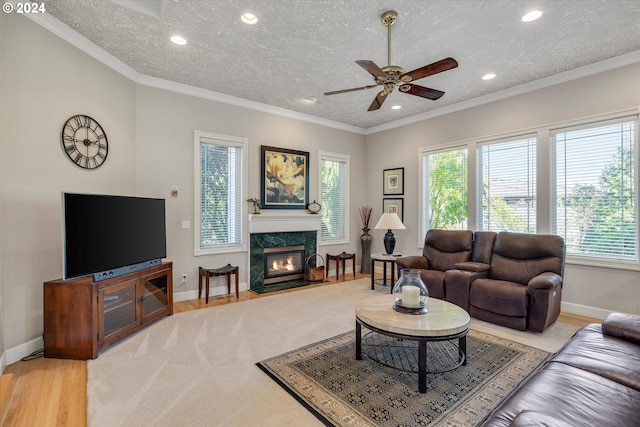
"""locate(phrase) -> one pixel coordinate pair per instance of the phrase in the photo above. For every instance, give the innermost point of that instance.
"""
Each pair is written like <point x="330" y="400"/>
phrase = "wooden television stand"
<point x="83" y="317"/>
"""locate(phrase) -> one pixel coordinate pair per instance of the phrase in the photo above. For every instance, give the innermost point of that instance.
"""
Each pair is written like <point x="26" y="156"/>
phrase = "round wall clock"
<point x="85" y="142"/>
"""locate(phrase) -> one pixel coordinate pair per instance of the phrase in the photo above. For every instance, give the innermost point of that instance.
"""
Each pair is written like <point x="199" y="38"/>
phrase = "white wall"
<point x="588" y="290"/>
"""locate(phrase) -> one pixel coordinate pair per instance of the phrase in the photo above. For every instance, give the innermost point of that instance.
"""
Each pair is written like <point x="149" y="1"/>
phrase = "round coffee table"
<point x="443" y="322"/>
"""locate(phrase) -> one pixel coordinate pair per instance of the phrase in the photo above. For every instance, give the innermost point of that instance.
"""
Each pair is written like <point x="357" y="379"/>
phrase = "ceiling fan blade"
<point x="429" y="70"/>
<point x="372" y="68"/>
<point x="335" y="92"/>
<point x="378" y="101"/>
<point x="421" y="91"/>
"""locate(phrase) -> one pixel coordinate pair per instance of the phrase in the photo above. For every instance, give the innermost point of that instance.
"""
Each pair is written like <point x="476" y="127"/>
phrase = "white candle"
<point x="411" y="296"/>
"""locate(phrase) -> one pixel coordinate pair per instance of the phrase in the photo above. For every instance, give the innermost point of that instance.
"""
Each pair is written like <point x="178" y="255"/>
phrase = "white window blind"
<point x="506" y="186"/>
<point x="220" y="183"/>
<point x="595" y="177"/>
<point x="444" y="190"/>
<point x="334" y="190"/>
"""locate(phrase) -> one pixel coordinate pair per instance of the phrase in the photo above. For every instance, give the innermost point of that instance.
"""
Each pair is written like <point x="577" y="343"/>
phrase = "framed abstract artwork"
<point x="394" y="205"/>
<point x="284" y="182"/>
<point x="393" y="181"/>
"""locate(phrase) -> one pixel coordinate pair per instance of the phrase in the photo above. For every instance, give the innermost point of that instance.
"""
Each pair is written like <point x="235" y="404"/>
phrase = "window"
<point x="334" y="197"/>
<point x="506" y="186"/>
<point x="594" y="175"/>
<point x="220" y="182"/>
<point x="444" y="190"/>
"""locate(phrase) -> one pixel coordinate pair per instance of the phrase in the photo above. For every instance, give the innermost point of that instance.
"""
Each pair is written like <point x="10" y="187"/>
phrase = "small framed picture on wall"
<point x="393" y="181"/>
<point x="395" y="206"/>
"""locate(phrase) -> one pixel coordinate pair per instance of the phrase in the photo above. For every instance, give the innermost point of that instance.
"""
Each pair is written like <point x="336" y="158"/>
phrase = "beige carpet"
<point x="198" y="368"/>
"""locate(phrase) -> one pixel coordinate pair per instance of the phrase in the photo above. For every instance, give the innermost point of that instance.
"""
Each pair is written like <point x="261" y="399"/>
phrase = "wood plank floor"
<point x="52" y="392"/>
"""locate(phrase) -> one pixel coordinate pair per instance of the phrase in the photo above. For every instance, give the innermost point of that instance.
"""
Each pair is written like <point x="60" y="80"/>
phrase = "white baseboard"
<point x="213" y="291"/>
<point x="3" y="362"/>
<point x="585" y="310"/>
<point x="16" y="353"/>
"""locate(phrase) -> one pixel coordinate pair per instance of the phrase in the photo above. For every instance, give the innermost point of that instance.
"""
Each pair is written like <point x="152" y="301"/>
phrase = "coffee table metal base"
<point x="450" y="357"/>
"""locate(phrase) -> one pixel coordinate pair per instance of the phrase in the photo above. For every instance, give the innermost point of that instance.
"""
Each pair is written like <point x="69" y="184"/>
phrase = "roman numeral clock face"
<point x="85" y="142"/>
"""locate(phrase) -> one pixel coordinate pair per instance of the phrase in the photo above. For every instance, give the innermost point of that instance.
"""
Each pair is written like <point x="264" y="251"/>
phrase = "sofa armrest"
<point x="623" y="326"/>
<point x="415" y="261"/>
<point x="546" y="280"/>
<point x="476" y="267"/>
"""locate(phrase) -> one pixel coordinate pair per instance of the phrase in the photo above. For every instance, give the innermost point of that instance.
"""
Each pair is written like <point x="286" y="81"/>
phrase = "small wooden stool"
<point x="342" y="257"/>
<point x="227" y="270"/>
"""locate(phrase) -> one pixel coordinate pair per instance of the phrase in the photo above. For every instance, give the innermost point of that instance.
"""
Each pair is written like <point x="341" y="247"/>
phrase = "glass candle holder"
<point x="411" y="293"/>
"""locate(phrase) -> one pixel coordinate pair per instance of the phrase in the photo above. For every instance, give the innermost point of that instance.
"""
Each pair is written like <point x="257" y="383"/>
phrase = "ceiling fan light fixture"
<point x="180" y="41"/>
<point x="532" y="16"/>
<point x="249" y="18"/>
<point x="311" y="100"/>
<point x="489" y="76"/>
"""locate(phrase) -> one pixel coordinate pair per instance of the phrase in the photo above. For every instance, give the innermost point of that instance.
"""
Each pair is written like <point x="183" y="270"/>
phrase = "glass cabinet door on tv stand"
<point x="155" y="293"/>
<point x="119" y="308"/>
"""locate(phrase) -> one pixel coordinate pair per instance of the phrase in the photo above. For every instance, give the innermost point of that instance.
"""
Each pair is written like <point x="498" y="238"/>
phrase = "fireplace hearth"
<point x="282" y="264"/>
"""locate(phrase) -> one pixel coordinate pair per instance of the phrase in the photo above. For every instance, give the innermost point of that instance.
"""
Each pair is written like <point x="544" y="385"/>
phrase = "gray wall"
<point x="45" y="81"/>
<point x="588" y="290"/>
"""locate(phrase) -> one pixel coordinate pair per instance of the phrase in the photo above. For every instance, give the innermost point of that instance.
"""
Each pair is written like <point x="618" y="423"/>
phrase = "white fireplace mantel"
<point x="278" y="222"/>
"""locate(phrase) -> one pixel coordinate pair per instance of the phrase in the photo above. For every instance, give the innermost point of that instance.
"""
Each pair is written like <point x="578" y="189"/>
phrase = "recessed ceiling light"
<point x="311" y="100"/>
<point x="396" y="107"/>
<point x="489" y="76"/>
<point x="532" y="16"/>
<point x="249" y="18"/>
<point x="178" y="40"/>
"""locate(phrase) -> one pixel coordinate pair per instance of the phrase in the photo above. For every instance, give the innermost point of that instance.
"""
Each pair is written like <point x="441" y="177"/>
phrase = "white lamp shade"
<point x="389" y="221"/>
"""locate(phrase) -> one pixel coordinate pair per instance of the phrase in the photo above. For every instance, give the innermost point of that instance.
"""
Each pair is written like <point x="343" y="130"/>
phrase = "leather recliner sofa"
<point x="594" y="380"/>
<point x="511" y="279"/>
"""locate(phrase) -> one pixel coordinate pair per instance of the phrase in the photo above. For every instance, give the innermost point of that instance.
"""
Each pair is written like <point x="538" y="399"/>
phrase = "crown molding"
<point x="76" y="39"/>
<point x="587" y="70"/>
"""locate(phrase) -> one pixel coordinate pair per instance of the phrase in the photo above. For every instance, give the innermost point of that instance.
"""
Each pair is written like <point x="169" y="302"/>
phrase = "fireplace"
<point x="282" y="264"/>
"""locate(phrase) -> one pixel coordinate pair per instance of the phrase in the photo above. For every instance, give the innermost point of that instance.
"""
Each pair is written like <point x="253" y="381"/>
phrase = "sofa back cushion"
<point x="443" y="248"/>
<point x="519" y="257"/>
<point x="483" y="246"/>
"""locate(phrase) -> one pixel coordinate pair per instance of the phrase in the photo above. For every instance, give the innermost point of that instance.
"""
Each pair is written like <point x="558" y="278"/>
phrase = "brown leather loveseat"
<point x="511" y="279"/>
<point x="594" y="380"/>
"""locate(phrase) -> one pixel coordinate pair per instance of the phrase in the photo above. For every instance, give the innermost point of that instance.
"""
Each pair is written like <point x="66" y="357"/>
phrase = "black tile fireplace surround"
<point x="258" y="242"/>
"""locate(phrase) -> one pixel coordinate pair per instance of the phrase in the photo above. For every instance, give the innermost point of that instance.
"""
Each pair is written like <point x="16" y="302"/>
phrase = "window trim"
<point x="544" y="190"/>
<point x="338" y="157"/>
<point x="241" y="142"/>
<point x="604" y="120"/>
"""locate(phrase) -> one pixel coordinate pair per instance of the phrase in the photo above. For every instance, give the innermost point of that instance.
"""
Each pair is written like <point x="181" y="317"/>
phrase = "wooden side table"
<point x="227" y="270"/>
<point x="342" y="257"/>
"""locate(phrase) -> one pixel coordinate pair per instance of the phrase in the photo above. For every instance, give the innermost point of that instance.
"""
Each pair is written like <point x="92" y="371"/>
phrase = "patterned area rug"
<point x="342" y="391"/>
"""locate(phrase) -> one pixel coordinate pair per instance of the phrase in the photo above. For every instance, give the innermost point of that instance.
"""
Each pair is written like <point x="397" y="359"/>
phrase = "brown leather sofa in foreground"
<point x="510" y="279"/>
<point x="594" y="380"/>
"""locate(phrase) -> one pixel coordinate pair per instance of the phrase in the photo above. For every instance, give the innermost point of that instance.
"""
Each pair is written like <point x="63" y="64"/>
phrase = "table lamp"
<point x="390" y="221"/>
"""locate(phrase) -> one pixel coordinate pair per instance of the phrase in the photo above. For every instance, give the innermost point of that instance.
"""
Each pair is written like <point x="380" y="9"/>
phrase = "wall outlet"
<point x="184" y="278"/>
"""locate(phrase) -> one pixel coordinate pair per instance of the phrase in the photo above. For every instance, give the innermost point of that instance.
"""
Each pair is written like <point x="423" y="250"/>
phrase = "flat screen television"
<point x="107" y="236"/>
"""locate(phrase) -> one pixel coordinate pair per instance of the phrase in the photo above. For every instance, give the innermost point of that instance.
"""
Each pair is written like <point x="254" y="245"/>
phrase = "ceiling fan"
<point x="392" y="75"/>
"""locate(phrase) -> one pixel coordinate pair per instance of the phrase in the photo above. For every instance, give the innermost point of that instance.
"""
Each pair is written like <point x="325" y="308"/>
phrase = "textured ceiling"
<point x="302" y="48"/>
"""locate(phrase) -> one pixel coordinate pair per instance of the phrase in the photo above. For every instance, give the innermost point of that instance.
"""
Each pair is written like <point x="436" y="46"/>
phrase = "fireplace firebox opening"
<point x="283" y="264"/>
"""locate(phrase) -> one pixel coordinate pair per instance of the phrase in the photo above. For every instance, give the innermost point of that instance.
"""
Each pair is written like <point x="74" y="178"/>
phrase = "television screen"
<point x="103" y="232"/>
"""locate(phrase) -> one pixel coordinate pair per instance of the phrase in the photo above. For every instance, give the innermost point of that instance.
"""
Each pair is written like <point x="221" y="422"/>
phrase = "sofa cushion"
<point x="573" y="396"/>
<point x="434" y="280"/>
<point x="443" y="248"/>
<point x="609" y="357"/>
<point x="499" y="296"/>
<point x="537" y="419"/>
<point x="623" y="326"/>
<point x="519" y="257"/>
